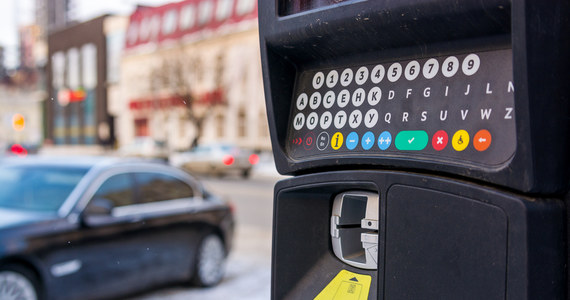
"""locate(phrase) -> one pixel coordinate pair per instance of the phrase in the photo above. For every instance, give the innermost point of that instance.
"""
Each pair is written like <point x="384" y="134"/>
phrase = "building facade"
<point x="76" y="109"/>
<point x="191" y="73"/>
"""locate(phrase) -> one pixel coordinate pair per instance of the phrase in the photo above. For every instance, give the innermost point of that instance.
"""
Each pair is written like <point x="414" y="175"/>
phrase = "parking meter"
<point x="428" y="143"/>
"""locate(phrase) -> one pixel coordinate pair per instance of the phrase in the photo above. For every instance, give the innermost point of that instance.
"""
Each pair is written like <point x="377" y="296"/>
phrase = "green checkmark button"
<point x="411" y="140"/>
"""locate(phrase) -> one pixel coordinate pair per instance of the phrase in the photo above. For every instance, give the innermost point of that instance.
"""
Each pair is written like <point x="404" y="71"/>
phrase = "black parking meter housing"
<point x="472" y="168"/>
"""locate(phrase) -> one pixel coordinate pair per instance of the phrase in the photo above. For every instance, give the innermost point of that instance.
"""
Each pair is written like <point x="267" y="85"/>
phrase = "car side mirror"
<point x="97" y="212"/>
<point x="99" y="207"/>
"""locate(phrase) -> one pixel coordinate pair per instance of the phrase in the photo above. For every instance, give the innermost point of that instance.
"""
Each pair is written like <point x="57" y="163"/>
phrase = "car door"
<point x="104" y="255"/>
<point x="168" y="205"/>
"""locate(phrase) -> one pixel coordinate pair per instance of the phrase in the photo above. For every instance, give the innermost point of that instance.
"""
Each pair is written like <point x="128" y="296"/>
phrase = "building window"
<point x="224" y="9"/>
<point x="263" y="126"/>
<point x="141" y="127"/>
<point x="244" y="7"/>
<point x="169" y="22"/>
<point x="242" y="123"/>
<point x="73" y="68"/>
<point x="133" y="33"/>
<point x="89" y="65"/>
<point x="220" y="125"/>
<point x="144" y="30"/>
<point x="58" y="70"/>
<point x="205" y="12"/>
<point x="187" y="17"/>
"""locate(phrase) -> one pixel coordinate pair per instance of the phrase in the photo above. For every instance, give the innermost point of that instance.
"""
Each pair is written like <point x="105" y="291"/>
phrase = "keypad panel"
<point x="455" y="107"/>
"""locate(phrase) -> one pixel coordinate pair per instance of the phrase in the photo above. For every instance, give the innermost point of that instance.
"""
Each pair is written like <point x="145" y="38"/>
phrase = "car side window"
<point x="155" y="187"/>
<point x="119" y="189"/>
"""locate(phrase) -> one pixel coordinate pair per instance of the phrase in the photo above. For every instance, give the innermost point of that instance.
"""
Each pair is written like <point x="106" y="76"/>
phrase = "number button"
<point x="361" y="75"/>
<point x="318" y="80"/>
<point x="302" y="101"/>
<point x="431" y="67"/>
<point x="412" y="70"/>
<point x="394" y="72"/>
<point x="377" y="74"/>
<point x="346" y="77"/>
<point x="332" y="78"/>
<point x="471" y="64"/>
<point x="450" y="66"/>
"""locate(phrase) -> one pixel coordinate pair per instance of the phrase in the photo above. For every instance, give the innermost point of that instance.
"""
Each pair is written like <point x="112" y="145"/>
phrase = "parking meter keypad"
<point x="458" y="107"/>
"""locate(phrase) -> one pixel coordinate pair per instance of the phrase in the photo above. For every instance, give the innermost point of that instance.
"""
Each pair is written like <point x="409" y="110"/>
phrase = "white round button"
<point x="302" y="101"/>
<point x="377" y="74"/>
<point x="332" y="78"/>
<point x="346" y="77"/>
<point x="412" y="70"/>
<point x="374" y="96"/>
<point x="470" y="64"/>
<point x="312" y="120"/>
<point x="361" y="75"/>
<point x="315" y="100"/>
<point x="299" y="121"/>
<point x="343" y="98"/>
<point x="358" y="97"/>
<point x="318" y="80"/>
<point x="431" y="67"/>
<point x="394" y="72"/>
<point x="371" y="118"/>
<point x="340" y="119"/>
<point x="326" y="120"/>
<point x="329" y="99"/>
<point x="355" y="119"/>
<point x="450" y="66"/>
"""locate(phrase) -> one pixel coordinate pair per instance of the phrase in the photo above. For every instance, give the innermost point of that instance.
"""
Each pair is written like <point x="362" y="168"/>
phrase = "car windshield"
<point x="36" y="188"/>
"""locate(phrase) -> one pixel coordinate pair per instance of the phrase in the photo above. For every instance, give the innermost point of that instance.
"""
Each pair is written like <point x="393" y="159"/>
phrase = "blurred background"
<point x="178" y="81"/>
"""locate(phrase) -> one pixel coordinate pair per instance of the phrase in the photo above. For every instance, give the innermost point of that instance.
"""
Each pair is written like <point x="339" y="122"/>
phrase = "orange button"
<point x="482" y="140"/>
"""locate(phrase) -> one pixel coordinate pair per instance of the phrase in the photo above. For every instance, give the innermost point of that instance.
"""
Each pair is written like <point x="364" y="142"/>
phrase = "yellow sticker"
<point x="346" y="286"/>
<point x="337" y="141"/>
<point x="460" y="140"/>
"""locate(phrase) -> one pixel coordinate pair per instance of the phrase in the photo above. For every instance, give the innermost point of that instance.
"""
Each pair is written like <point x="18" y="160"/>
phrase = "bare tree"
<point x="178" y="75"/>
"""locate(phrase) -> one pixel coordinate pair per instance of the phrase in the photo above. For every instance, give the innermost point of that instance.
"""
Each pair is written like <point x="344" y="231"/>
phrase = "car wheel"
<point x="18" y="283"/>
<point x="210" y="259"/>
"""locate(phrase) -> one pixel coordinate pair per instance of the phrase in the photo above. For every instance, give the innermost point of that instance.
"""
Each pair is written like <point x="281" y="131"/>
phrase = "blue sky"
<point x="21" y="12"/>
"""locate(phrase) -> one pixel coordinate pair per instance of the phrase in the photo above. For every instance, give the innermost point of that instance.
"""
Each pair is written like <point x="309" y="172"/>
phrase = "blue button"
<point x="352" y="140"/>
<point x="384" y="140"/>
<point x="367" y="140"/>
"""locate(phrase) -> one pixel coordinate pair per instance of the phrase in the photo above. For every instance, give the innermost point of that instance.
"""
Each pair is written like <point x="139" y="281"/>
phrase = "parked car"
<point x="145" y="147"/>
<point x="85" y="228"/>
<point x="216" y="159"/>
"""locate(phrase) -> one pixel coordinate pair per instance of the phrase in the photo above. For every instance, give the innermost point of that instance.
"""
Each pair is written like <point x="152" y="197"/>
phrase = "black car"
<point x="84" y="228"/>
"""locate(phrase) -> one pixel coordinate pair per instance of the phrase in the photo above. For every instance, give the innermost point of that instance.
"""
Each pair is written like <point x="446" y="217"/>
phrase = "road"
<point x="248" y="271"/>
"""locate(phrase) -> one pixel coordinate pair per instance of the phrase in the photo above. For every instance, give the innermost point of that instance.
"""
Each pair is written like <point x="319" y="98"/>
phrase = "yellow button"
<point x="336" y="141"/>
<point x="460" y="140"/>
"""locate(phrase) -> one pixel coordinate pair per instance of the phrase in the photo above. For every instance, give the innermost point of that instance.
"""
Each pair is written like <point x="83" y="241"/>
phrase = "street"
<point x="248" y="270"/>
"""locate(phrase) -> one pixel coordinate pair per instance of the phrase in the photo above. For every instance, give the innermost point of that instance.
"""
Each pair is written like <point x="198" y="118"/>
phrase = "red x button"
<point x="439" y="140"/>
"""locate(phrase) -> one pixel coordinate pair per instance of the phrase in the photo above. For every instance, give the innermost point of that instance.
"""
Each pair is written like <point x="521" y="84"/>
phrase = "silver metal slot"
<point x="354" y="228"/>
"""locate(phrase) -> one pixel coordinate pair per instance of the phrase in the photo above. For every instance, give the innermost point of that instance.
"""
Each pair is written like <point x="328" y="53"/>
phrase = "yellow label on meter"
<point x="460" y="140"/>
<point x="346" y="286"/>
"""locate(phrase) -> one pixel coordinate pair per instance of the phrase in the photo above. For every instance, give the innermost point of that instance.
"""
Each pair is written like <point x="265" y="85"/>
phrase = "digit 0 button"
<point x="414" y="140"/>
<point x="460" y="140"/>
